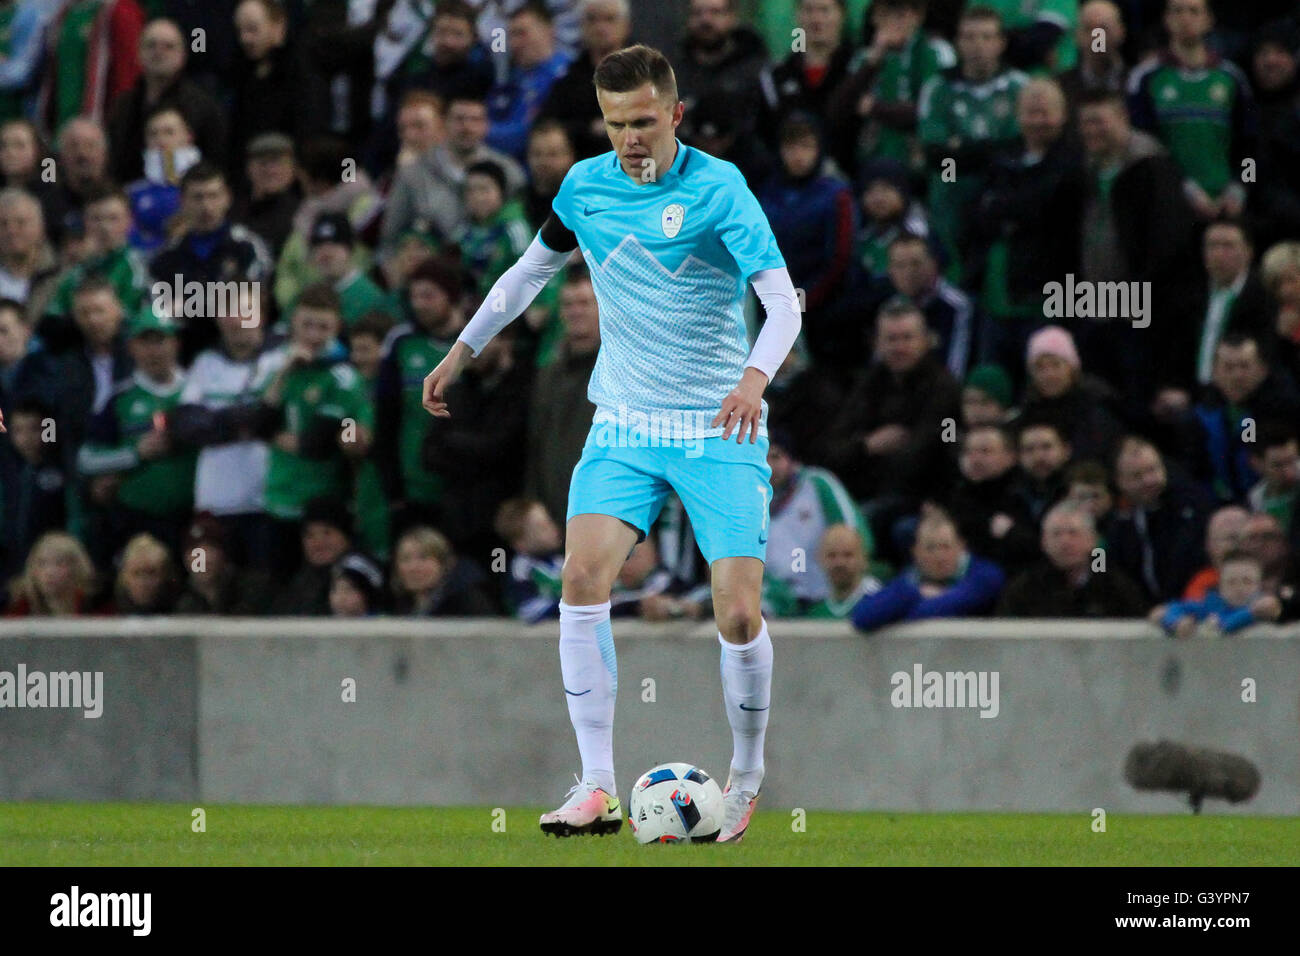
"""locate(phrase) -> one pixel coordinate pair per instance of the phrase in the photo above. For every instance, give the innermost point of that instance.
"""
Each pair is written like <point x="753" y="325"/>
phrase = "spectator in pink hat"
<point x="1085" y="407"/>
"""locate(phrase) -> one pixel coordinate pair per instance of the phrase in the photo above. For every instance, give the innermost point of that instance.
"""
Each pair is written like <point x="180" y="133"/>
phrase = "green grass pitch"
<point x="161" y="835"/>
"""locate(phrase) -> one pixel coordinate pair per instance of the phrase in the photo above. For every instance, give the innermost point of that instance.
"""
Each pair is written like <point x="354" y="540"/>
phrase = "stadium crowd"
<point x="951" y="437"/>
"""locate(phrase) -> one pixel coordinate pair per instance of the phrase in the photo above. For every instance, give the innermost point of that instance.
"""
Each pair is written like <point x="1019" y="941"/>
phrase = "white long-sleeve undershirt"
<point x="513" y="293"/>
<point x="519" y="285"/>
<point x="776" y="291"/>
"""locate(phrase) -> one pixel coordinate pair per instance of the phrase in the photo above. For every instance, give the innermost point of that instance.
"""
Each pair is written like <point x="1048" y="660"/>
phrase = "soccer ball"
<point x="675" y="802"/>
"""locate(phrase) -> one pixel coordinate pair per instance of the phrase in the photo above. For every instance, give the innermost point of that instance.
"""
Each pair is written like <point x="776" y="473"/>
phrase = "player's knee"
<point x="584" y="581"/>
<point x="739" y="621"/>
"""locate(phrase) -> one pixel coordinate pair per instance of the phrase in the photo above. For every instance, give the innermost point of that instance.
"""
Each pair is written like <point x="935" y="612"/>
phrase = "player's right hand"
<point x="436" y="382"/>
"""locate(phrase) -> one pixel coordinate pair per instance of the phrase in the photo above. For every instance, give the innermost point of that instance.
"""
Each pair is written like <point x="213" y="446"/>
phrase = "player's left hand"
<point x="742" y="407"/>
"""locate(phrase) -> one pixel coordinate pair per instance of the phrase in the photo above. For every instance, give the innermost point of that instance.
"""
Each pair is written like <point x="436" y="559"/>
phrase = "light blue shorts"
<point x="725" y="487"/>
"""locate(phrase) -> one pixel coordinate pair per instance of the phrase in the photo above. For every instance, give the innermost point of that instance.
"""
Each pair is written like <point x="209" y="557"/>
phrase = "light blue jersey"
<point x="670" y="260"/>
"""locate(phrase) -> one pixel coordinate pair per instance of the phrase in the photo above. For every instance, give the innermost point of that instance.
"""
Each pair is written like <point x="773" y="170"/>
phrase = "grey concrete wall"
<point x="142" y="747"/>
<point x="473" y="713"/>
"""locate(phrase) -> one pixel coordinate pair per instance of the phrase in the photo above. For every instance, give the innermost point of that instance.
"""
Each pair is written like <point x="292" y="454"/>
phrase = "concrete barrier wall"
<point x="473" y="713"/>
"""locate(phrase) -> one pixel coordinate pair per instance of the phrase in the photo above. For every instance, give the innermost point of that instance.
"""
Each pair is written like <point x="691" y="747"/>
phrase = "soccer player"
<point x="671" y="235"/>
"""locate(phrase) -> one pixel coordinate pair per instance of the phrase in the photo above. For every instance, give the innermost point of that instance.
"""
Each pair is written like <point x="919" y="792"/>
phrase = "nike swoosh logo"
<point x="588" y="211"/>
<point x="743" y="707"/>
<point x="587" y="691"/>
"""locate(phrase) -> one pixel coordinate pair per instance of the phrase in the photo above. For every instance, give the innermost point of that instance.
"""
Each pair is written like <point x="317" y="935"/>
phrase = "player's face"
<point x="642" y="128"/>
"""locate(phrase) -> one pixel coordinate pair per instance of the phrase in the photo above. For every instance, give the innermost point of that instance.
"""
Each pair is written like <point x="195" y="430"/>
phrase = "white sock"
<point x="747" y="679"/>
<point x="590" y="674"/>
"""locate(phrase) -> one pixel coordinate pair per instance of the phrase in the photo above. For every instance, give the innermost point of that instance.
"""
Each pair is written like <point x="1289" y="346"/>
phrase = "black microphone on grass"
<point x="1195" y="771"/>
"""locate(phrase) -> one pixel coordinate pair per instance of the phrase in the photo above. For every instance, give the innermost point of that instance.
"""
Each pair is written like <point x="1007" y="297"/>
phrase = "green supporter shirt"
<point x="358" y="294"/>
<point x="161" y="487"/>
<point x="829" y="608"/>
<point x="955" y="115"/>
<point x="416" y="355"/>
<point x="72" y="48"/>
<point x="489" y="248"/>
<point x="124" y="268"/>
<point x="774" y="19"/>
<point x="900" y="78"/>
<point x="1019" y="14"/>
<point x="1193" y="113"/>
<point x="327" y="389"/>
